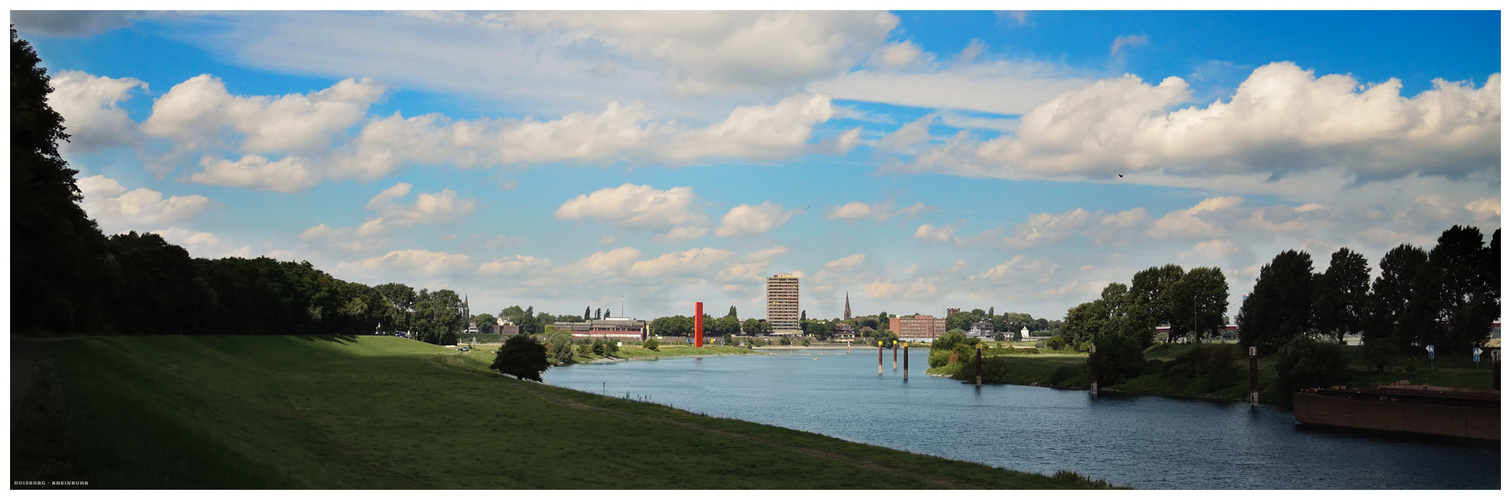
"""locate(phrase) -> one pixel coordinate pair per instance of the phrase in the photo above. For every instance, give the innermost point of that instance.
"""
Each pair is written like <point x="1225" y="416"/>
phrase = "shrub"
<point x="1304" y="363"/>
<point x="786" y="341"/>
<point x="1119" y="358"/>
<point x="599" y="348"/>
<point x="651" y="344"/>
<point x="1380" y="353"/>
<point x="1057" y="342"/>
<point x="521" y="356"/>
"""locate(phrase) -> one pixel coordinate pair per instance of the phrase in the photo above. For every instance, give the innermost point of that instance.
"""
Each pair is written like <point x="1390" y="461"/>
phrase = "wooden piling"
<point x="904" y="362"/>
<point x="878" y="357"/>
<point x="894" y="356"/>
<point x="1253" y="377"/>
<point x="1092" y="360"/>
<point x="1495" y="369"/>
<point x="978" y="366"/>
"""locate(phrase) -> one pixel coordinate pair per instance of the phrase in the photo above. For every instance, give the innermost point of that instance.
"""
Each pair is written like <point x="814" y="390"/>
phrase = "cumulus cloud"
<point x="753" y="266"/>
<point x="899" y="54"/>
<point x="201" y="244"/>
<point x="516" y="265"/>
<point x="383" y="198"/>
<point x="880" y="211"/>
<point x="1020" y="269"/>
<point x="620" y="133"/>
<point x="1122" y="42"/>
<point x="747" y="220"/>
<point x="1281" y="120"/>
<point x="717" y="51"/>
<point x="369" y="236"/>
<point x="640" y="207"/>
<point x="908" y="136"/>
<point x="430" y="208"/>
<point x="913" y="290"/>
<point x="287" y="175"/>
<point x="200" y="114"/>
<point x="118" y="210"/>
<point x="1212" y="250"/>
<point x="846" y="263"/>
<point x="755" y="132"/>
<point x="1202" y="221"/>
<point x="90" y="108"/>
<point x="931" y="233"/>
<point x="414" y="261"/>
<point x="697" y="261"/>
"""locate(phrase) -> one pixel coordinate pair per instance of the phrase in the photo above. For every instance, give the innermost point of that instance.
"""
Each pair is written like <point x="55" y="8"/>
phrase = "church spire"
<point x="847" y="306"/>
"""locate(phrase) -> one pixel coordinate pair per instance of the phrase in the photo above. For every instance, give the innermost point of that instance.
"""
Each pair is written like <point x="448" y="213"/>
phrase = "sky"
<point x="914" y="160"/>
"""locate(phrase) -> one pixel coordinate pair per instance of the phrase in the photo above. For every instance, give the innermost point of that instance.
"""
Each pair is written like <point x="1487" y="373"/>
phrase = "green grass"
<point x="388" y="413"/>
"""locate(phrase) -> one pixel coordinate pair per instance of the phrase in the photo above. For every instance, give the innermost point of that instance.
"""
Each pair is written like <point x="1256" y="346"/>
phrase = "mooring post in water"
<point x="878" y="357"/>
<point x="1495" y="369"/>
<point x="1092" y="360"/>
<point x="1253" y="378"/>
<point x="978" y="366"/>
<point x="894" y="356"/>
<point x="904" y="361"/>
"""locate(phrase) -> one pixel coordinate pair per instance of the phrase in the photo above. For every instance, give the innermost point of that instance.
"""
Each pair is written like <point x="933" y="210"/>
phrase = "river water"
<point x="1146" y="442"/>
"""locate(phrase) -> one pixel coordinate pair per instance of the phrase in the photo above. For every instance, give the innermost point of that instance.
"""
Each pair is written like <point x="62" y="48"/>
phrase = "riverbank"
<point x="256" y="412"/>
<point x="1163" y="374"/>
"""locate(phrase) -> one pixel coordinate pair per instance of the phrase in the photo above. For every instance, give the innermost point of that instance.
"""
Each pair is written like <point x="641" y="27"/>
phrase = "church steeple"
<point x="847" y="306"/>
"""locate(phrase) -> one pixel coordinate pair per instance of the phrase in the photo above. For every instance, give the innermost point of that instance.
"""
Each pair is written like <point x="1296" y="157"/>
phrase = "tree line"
<point x="69" y="277"/>
<point x="1447" y="297"/>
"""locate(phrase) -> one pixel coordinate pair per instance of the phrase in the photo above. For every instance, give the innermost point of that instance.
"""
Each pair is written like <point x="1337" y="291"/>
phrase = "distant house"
<point x="844" y="331"/>
<point x="982" y="329"/>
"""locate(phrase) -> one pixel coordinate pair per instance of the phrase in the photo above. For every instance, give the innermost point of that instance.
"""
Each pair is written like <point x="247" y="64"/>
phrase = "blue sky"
<point x="915" y="160"/>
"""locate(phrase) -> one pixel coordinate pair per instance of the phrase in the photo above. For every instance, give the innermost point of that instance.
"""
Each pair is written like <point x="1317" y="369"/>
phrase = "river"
<point x="1146" y="442"/>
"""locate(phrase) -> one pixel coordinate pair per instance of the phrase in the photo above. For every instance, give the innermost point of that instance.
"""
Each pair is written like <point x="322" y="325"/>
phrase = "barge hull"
<point x="1474" y="422"/>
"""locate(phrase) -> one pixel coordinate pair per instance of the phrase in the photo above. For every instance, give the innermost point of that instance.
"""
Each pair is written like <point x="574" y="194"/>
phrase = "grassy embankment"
<point x="1067" y="370"/>
<point x="388" y="413"/>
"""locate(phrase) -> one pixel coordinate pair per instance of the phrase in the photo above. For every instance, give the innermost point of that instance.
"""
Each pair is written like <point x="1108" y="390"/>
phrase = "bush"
<point x="1380" y="353"/>
<point x="561" y="352"/>
<point x="1062" y="374"/>
<point x="1305" y="363"/>
<point x="1057" y="342"/>
<point x="1216" y="362"/>
<point x="651" y="344"/>
<point x="521" y="356"/>
<point x="1119" y="358"/>
<point x="947" y="342"/>
<point x="600" y="349"/>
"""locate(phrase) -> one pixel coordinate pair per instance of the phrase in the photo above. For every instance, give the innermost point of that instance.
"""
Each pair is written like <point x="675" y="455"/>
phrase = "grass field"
<point x="389" y="413"/>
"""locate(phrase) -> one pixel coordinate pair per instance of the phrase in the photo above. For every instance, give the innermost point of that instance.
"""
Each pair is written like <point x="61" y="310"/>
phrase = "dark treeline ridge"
<point x="68" y="277"/>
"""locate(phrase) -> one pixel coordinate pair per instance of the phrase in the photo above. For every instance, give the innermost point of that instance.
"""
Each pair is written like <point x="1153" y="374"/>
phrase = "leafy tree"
<point x="755" y="326"/>
<point x="57" y="252"/>
<point x="733" y="314"/>
<point x="1342" y="295"/>
<point x="803" y="316"/>
<point x="1303" y="363"/>
<point x="672" y="326"/>
<point x="484" y="320"/>
<point x="1280" y="308"/>
<point x="729" y="339"/>
<point x="1203" y="298"/>
<point x="515" y="314"/>
<point x="560" y="348"/>
<point x="651" y="344"/>
<point x="1391" y="296"/>
<point x="521" y="356"/>
<point x="599" y="348"/>
<point x="1467" y="295"/>
<point x="402" y="298"/>
<point x="438" y="316"/>
<point x="1156" y="291"/>
<point x="1119" y="358"/>
<point x="598" y="314"/>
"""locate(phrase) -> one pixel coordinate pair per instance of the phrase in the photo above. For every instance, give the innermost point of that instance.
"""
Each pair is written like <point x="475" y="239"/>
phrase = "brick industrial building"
<point x="921" y="327"/>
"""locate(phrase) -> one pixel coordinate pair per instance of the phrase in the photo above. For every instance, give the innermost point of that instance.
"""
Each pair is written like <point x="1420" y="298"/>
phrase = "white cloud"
<point x="417" y="261"/>
<point x="1485" y="208"/>
<point x="714" y="51"/>
<point x="1124" y="41"/>
<point x="516" y="265"/>
<point x="382" y="199"/>
<point x="1020" y="270"/>
<point x="1203" y="221"/>
<point x="431" y="208"/>
<point x="747" y="220"/>
<point x="287" y="175"/>
<point x="600" y="265"/>
<point x="1212" y="250"/>
<point x="908" y="136"/>
<point x="368" y="237"/>
<point x="755" y="132"/>
<point x="118" y="210"/>
<point x="697" y="261"/>
<point x="640" y="207"/>
<point x="1044" y="228"/>
<point x="1282" y="120"/>
<point x="846" y="263"/>
<point x="899" y="54"/>
<point x="200" y="244"/>
<point x="200" y="114"/>
<point x="881" y="211"/>
<point x="753" y="266"/>
<point x="928" y="232"/>
<point x="89" y="106"/>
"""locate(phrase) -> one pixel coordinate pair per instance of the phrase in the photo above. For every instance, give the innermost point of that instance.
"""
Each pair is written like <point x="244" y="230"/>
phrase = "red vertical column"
<point x="698" y="325"/>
